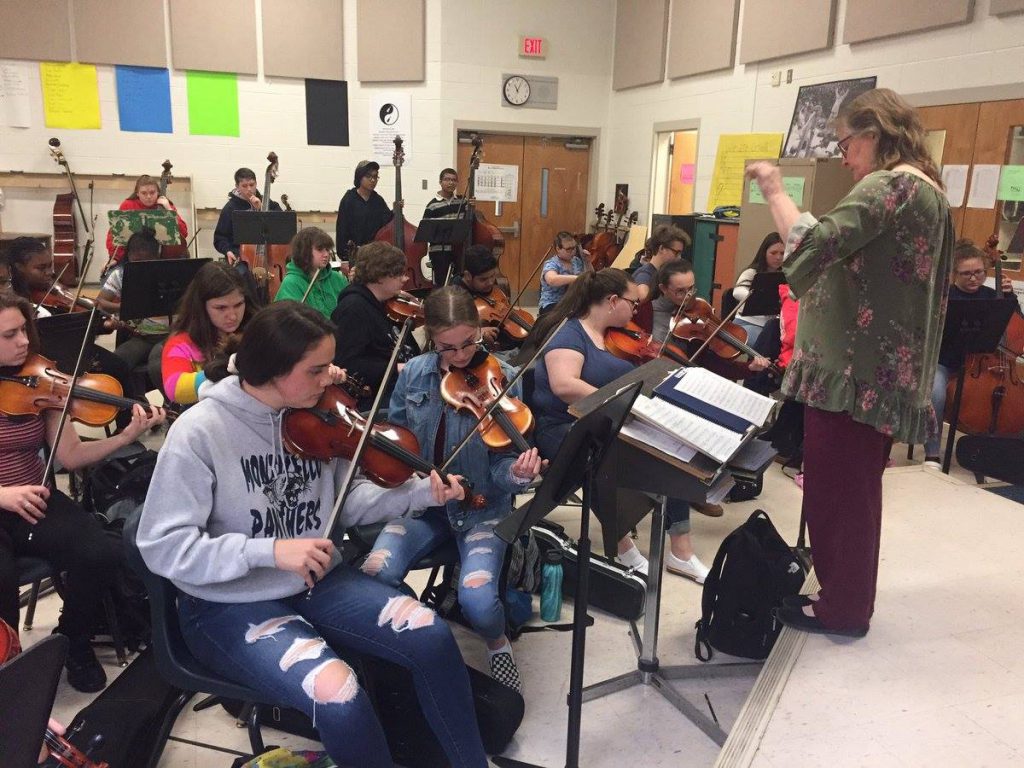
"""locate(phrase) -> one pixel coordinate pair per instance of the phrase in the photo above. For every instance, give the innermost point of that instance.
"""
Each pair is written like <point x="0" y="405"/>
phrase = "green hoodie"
<point x="323" y="297"/>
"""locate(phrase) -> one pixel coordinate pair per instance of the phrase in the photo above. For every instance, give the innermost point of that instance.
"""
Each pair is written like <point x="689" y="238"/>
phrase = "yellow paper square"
<point x="733" y="150"/>
<point x="71" y="95"/>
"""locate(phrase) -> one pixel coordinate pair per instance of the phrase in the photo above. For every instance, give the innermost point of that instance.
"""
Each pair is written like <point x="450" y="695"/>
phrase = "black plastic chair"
<point x="28" y="685"/>
<point x="176" y="663"/>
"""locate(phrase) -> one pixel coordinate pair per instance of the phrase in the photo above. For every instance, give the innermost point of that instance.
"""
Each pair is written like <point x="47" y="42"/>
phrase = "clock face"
<point x="516" y="90"/>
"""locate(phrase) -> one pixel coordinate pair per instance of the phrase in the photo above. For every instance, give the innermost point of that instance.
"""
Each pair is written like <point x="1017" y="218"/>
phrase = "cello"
<point x="179" y="251"/>
<point x="992" y="401"/>
<point x="401" y="234"/>
<point x="266" y="261"/>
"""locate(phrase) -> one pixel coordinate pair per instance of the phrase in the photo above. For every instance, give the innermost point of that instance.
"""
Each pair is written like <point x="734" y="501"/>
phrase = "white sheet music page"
<point x="727" y="395"/>
<point x="657" y="438"/>
<point x="717" y="442"/>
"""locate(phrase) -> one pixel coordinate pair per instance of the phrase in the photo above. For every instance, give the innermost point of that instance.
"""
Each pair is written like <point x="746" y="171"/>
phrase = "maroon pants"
<point x="843" y="465"/>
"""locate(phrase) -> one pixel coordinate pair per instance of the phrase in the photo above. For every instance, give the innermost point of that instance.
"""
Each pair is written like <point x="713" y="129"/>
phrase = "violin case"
<point x="993" y="456"/>
<point x="614" y="588"/>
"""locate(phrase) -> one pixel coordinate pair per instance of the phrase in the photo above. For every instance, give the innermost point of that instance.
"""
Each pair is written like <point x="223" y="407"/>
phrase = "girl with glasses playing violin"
<point x="452" y="323"/>
<point x="577" y="363"/>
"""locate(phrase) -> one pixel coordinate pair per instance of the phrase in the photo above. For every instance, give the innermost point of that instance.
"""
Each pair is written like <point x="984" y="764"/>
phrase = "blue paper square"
<point x="144" y="99"/>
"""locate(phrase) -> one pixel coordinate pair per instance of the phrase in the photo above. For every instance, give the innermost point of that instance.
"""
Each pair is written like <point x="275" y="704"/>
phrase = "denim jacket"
<point x="417" y="405"/>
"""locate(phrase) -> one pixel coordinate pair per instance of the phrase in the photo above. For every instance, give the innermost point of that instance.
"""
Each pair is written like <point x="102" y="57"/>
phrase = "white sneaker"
<point x="691" y="569"/>
<point x="633" y="559"/>
<point x="933" y="463"/>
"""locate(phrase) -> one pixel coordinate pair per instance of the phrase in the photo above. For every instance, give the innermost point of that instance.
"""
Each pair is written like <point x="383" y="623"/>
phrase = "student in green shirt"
<point x="311" y="251"/>
<point x="872" y="276"/>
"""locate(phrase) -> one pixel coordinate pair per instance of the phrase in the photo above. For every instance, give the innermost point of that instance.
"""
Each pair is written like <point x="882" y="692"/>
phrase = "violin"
<point x="727" y="340"/>
<point x="333" y="428"/>
<point x="38" y="386"/>
<point x="60" y="749"/>
<point x="633" y="344"/>
<point x="496" y="309"/>
<point x="59" y="299"/>
<point x="475" y="387"/>
<point x="405" y="306"/>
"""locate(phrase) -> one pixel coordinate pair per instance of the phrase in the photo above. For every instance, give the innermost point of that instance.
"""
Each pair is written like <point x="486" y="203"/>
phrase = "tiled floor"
<point x="938" y="681"/>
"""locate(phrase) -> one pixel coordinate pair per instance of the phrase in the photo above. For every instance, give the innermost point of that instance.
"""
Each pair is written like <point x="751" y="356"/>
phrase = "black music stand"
<point x="445" y="232"/>
<point x="976" y="325"/>
<point x="764" y="294"/>
<point x="60" y="337"/>
<point x="575" y="465"/>
<point x="154" y="288"/>
<point x="641" y="467"/>
<point x="264" y="227"/>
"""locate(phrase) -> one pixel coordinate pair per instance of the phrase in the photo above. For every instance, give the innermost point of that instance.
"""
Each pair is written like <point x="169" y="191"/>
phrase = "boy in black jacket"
<point x="365" y="337"/>
<point x="244" y="197"/>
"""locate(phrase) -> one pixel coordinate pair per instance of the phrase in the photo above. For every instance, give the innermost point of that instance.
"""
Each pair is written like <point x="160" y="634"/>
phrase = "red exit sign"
<point x="531" y="47"/>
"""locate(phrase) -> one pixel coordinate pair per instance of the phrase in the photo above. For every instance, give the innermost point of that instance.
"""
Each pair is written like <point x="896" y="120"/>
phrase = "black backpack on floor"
<point x="753" y="570"/>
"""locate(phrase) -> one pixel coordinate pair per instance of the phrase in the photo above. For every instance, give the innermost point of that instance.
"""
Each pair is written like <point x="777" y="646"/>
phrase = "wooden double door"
<point x="554" y="173"/>
<point x="990" y="132"/>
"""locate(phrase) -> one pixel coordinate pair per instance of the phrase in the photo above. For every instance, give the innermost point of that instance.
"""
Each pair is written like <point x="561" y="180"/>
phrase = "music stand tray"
<point x="976" y="325"/>
<point x="153" y="288"/>
<point x="443" y="231"/>
<point x="264" y="227"/>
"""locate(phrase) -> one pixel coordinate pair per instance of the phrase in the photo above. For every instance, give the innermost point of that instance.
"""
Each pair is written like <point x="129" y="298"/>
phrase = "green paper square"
<point x="212" y="103"/>
<point x="1011" y="183"/>
<point x="794" y="186"/>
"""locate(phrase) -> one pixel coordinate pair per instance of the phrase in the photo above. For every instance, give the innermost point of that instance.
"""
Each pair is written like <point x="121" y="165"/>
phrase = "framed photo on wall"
<point x="812" y="129"/>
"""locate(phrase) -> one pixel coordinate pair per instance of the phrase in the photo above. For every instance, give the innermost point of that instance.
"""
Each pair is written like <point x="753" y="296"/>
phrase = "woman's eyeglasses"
<point x="977" y="274"/>
<point x="444" y="349"/>
<point x="843" y="145"/>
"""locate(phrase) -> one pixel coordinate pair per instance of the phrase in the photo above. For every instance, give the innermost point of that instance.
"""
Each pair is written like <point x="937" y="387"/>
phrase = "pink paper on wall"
<point x="686" y="173"/>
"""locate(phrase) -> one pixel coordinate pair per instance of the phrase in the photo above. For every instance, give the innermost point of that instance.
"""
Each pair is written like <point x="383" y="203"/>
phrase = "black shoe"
<point x="797" y="619"/>
<point x="797" y="601"/>
<point x="85" y="673"/>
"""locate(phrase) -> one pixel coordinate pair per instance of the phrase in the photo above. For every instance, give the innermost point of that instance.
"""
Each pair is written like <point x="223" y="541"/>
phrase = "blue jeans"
<point x="549" y="435"/>
<point x="404" y="542"/>
<point x="286" y="650"/>
<point x="942" y="376"/>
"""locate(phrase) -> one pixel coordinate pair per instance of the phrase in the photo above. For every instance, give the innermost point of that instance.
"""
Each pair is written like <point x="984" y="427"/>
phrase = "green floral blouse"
<point x="872" y="276"/>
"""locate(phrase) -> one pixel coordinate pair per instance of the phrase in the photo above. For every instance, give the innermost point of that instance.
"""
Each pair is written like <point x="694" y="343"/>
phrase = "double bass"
<point x="993" y="393"/>
<point x="483" y="232"/>
<point x="267" y="261"/>
<point x="401" y="234"/>
<point x="179" y="251"/>
<point x="65" y="229"/>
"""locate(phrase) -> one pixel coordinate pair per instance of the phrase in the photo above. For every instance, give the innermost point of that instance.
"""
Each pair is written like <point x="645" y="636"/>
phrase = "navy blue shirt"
<point x="600" y="367"/>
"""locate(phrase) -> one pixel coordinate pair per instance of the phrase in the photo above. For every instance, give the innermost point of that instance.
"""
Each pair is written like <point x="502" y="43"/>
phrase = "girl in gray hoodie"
<point x="238" y="524"/>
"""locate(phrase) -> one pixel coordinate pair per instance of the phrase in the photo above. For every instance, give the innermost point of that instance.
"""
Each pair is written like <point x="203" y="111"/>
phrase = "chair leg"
<point x="115" y="629"/>
<point x="910" y="452"/>
<point x="166" y="726"/>
<point x="427" y="590"/>
<point x="30" y="612"/>
<point x="255" y="735"/>
<point x="209" y="701"/>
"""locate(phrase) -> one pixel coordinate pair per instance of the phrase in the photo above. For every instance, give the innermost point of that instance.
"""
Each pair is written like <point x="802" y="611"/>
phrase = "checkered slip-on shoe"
<point x="505" y="671"/>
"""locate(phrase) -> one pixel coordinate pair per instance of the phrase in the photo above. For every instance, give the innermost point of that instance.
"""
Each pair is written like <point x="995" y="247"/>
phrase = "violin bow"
<point x="497" y="400"/>
<point x="350" y="474"/>
<point x="526" y="284"/>
<point x="668" y="333"/>
<point x="310" y="286"/>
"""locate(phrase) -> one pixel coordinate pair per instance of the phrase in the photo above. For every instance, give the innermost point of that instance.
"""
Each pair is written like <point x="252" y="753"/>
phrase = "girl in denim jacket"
<point x="453" y="325"/>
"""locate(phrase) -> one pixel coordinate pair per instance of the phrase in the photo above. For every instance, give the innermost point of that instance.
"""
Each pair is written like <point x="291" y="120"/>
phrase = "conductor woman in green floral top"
<point x="871" y="276"/>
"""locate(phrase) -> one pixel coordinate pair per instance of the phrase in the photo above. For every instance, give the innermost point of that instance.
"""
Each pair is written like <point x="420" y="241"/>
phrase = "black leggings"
<point x="72" y="541"/>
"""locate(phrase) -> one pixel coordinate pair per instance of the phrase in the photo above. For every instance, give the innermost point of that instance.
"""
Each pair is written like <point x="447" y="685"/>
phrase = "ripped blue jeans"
<point x="404" y="542"/>
<point x="285" y="650"/>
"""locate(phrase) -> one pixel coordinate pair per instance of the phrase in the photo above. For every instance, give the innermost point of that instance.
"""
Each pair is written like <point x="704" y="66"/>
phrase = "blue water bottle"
<point x="551" y="586"/>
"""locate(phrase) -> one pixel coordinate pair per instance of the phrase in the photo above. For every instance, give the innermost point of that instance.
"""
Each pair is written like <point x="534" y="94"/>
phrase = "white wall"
<point x="469" y="44"/>
<point x="974" y="62"/>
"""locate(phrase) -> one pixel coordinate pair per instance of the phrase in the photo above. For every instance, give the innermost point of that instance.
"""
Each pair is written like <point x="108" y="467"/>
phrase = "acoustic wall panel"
<point x="774" y="28"/>
<point x="702" y="36"/>
<point x="640" y="32"/>
<point x="120" y="32"/>
<point x="1004" y="7"/>
<point x="872" y="19"/>
<point x="302" y="38"/>
<point x="214" y="37"/>
<point x="391" y="38"/>
<point x="38" y="30"/>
